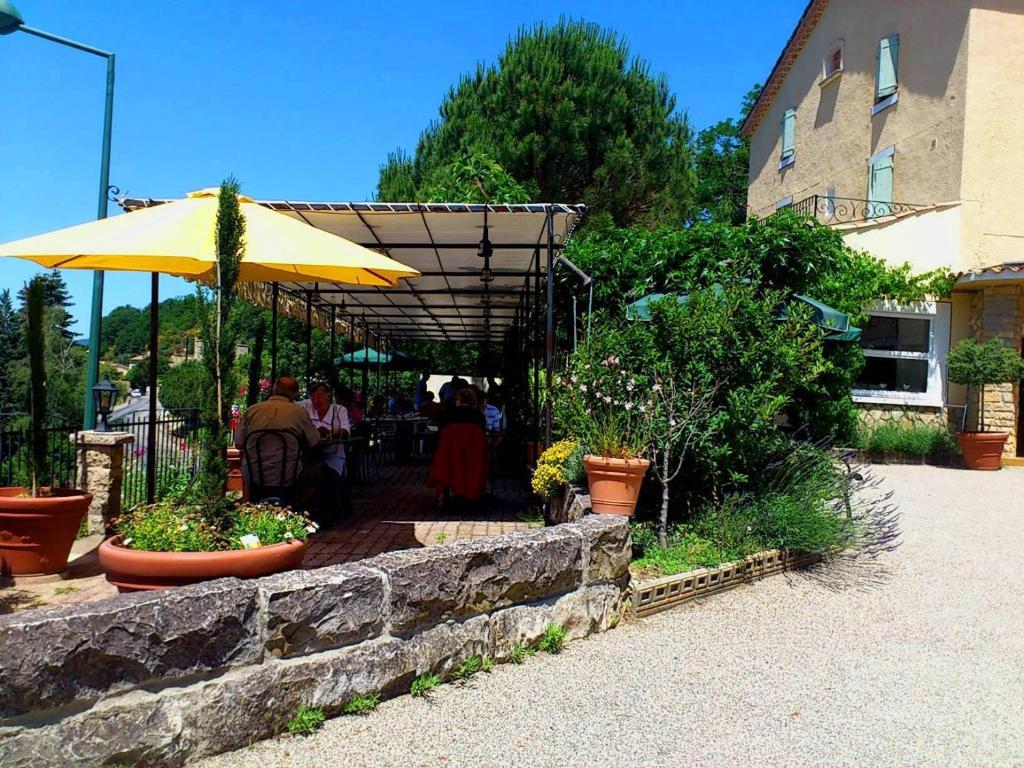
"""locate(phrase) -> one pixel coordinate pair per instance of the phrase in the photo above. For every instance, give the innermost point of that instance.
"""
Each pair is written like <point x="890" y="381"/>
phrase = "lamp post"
<point x="11" y="21"/>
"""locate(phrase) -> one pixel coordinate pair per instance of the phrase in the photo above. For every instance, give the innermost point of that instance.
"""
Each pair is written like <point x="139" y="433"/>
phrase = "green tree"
<point x="184" y="385"/>
<point x="722" y="157"/>
<point x="571" y="116"/>
<point x="10" y="354"/>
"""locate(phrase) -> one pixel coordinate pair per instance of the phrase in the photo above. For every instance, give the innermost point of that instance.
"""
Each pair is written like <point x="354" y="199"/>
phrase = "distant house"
<point x="901" y="124"/>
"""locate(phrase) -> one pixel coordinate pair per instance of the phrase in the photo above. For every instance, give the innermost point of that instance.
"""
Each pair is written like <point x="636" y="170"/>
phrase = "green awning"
<point x="833" y="322"/>
<point x="396" y="361"/>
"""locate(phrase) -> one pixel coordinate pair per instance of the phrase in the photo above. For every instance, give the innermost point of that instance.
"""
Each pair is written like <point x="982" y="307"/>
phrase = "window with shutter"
<point x="887" y="78"/>
<point x="788" y="137"/>
<point x="880" y="169"/>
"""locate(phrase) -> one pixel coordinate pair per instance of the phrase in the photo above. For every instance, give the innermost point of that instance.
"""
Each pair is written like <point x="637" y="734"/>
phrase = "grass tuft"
<point x="424" y="684"/>
<point x="307" y="720"/>
<point x="362" y="704"/>
<point x="553" y="639"/>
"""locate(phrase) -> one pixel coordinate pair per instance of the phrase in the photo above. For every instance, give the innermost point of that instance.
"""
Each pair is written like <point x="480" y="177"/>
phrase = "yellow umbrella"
<point x="177" y="238"/>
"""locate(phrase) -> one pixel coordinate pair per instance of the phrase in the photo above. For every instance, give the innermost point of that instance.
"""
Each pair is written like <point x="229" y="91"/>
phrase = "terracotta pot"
<point x="982" y="450"/>
<point x="36" y="534"/>
<point x="614" y="483"/>
<point x="131" y="570"/>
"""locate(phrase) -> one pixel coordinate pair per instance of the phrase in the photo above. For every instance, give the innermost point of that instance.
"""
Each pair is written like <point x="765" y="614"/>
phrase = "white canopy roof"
<point x="449" y="301"/>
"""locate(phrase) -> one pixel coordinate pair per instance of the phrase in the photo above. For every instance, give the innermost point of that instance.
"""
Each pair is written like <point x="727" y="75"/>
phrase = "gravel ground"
<point x="914" y="659"/>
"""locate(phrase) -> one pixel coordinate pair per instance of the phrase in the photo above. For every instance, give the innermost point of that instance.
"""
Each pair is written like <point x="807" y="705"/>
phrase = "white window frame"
<point x="938" y="313"/>
<point x="826" y="61"/>
<point x="786" y="202"/>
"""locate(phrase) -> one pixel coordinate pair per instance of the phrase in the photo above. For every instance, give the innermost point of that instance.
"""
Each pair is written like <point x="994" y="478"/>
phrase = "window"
<point x="905" y="352"/>
<point x="832" y="64"/>
<point x="887" y="73"/>
<point x="788" y="138"/>
<point x="830" y="201"/>
<point x="880" y="172"/>
<point x="786" y="202"/>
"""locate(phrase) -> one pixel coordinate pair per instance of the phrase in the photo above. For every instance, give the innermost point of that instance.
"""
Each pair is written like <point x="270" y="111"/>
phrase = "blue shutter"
<point x="880" y="187"/>
<point x="788" y="133"/>
<point x="888" y="66"/>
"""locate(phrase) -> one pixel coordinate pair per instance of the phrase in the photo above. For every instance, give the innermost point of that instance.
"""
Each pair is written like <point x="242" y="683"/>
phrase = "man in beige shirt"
<point x="280" y="413"/>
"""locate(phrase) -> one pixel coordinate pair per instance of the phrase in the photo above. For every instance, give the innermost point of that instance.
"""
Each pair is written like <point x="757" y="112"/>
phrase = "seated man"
<point x="276" y="466"/>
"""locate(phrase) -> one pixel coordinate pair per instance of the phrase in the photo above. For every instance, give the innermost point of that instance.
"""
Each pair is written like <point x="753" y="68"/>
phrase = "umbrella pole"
<point x="273" y="334"/>
<point x="151" y="432"/>
<point x="309" y="337"/>
<point x="366" y="360"/>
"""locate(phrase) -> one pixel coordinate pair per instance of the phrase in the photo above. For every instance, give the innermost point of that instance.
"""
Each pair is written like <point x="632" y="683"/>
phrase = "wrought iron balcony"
<point x="847" y="210"/>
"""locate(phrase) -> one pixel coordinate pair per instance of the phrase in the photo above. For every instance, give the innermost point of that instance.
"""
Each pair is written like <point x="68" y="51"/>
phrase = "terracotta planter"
<point x="982" y="450"/>
<point x="614" y="483"/>
<point x="131" y="570"/>
<point x="36" y="534"/>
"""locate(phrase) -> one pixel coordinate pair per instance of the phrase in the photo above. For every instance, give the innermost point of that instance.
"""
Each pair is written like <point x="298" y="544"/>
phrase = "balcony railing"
<point x="847" y="210"/>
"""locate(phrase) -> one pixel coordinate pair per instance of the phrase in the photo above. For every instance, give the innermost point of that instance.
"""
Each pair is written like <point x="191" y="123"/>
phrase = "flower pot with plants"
<point x="186" y="539"/>
<point x="977" y="366"/>
<point x="602" y="404"/>
<point x="38" y="525"/>
<point x="559" y="470"/>
<point x="199" y="532"/>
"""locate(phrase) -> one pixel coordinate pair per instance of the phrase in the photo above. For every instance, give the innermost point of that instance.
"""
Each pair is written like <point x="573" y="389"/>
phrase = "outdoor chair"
<point x="461" y="463"/>
<point x="275" y="485"/>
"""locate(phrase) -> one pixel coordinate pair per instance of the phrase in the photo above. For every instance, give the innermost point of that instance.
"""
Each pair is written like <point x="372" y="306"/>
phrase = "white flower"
<point x="312" y="528"/>
<point x="607" y="400"/>
<point x="671" y="422"/>
<point x="583" y="388"/>
<point x="629" y="406"/>
<point x="127" y="541"/>
<point x="288" y="535"/>
<point x="656" y="388"/>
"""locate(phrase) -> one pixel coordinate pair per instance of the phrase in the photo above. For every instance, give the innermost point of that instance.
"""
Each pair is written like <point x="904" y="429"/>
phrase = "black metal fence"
<point x="177" y="453"/>
<point x="61" y="455"/>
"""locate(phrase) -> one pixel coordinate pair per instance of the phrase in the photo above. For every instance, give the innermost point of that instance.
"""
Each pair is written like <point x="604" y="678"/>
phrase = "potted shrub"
<point x="604" y="406"/>
<point x="558" y="468"/>
<point x="38" y="525"/>
<point x="199" y="533"/>
<point x="978" y="365"/>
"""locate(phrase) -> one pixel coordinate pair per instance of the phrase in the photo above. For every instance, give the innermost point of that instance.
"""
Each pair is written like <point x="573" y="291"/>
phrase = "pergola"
<point x="486" y="275"/>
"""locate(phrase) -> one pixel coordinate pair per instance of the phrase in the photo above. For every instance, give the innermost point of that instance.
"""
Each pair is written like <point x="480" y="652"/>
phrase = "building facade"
<point x="900" y="124"/>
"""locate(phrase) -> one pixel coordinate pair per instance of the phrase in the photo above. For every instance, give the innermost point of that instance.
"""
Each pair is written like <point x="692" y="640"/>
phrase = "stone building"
<point x="899" y="123"/>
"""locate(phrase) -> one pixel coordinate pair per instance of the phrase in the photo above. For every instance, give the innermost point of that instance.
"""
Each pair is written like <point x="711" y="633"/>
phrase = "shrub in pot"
<point x="38" y="525"/>
<point x="980" y="365"/>
<point x="605" y="407"/>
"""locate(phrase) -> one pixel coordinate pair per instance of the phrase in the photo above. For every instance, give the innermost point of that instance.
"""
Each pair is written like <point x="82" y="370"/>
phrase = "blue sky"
<point x="298" y="100"/>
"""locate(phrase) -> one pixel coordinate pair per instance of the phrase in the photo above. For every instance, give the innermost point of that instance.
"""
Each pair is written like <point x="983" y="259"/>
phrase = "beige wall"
<point x="928" y="240"/>
<point x="993" y="178"/>
<point x="835" y="132"/>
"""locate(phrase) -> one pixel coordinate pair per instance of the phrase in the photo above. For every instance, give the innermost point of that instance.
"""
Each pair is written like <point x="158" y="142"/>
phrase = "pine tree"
<point x="568" y="114"/>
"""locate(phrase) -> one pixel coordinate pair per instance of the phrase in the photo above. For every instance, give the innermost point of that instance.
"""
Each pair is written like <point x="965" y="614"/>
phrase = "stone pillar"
<point x="1002" y="318"/>
<point x="100" y="467"/>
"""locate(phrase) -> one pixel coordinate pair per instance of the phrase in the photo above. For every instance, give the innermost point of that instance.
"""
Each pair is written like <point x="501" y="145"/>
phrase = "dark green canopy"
<point x="833" y="322"/>
<point x="396" y="361"/>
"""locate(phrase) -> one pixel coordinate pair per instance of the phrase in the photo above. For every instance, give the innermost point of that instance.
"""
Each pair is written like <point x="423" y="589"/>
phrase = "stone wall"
<point x="158" y="679"/>
<point x="872" y="416"/>
<point x="100" y="469"/>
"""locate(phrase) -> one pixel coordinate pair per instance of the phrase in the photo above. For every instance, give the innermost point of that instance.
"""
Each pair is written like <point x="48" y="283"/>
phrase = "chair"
<point x="462" y="461"/>
<point x="268" y="483"/>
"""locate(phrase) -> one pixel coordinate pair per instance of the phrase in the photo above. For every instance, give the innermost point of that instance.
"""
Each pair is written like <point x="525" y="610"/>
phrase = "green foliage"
<point x="685" y="551"/>
<point x="553" y="639"/>
<point x="519" y="653"/>
<point x="910" y="441"/>
<point x="220" y="336"/>
<point x="35" y="342"/>
<point x="10" y="353"/>
<point x="722" y="157"/>
<point x="467" y="668"/>
<point x="473" y="178"/>
<point x="362" y="704"/>
<point x="178" y="523"/>
<point x="252" y="387"/>
<point x="978" y="365"/>
<point x="184" y="385"/>
<point x="569" y="115"/>
<point x="424" y="684"/>
<point x="306" y="721"/>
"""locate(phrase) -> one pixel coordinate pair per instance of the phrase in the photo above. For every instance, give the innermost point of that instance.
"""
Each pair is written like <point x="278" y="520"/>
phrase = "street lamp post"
<point x="11" y="21"/>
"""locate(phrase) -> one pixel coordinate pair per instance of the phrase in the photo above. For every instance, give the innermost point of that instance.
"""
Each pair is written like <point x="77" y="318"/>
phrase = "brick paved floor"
<point x="395" y="510"/>
<point x="398" y="511"/>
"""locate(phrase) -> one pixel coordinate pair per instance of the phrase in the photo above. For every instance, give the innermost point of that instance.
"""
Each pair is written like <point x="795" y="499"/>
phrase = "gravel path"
<point x="916" y="659"/>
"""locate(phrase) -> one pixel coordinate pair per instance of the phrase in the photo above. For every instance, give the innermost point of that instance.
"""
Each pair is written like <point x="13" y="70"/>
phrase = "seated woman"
<point x="331" y="421"/>
<point x="461" y="463"/>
